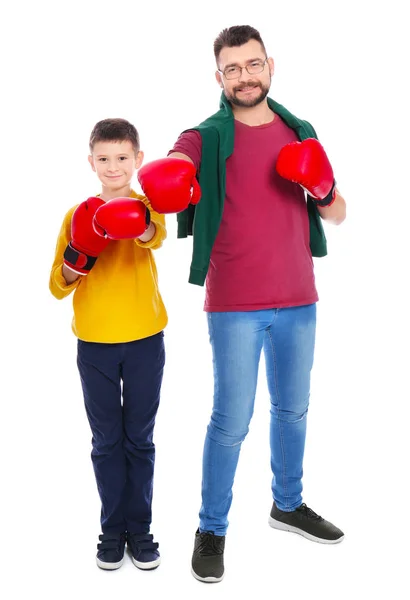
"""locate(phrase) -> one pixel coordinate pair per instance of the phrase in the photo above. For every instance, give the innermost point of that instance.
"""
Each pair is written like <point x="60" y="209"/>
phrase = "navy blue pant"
<point x="123" y="452"/>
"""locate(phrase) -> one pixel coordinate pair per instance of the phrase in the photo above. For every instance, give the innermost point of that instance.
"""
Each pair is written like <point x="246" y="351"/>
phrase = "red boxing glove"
<point x="122" y="219"/>
<point x="170" y="184"/>
<point x="85" y="245"/>
<point x="306" y="163"/>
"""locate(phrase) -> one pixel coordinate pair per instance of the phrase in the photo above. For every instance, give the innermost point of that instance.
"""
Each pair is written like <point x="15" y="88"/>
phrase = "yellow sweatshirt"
<point x="119" y="300"/>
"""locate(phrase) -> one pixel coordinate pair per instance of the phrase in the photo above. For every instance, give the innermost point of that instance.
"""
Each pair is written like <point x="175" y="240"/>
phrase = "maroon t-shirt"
<point x="261" y="256"/>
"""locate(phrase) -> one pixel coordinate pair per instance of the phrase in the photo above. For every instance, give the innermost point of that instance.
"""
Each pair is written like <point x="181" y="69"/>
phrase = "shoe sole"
<point x="207" y="579"/>
<point x="146" y="566"/>
<point x="106" y="566"/>
<point x="284" y="527"/>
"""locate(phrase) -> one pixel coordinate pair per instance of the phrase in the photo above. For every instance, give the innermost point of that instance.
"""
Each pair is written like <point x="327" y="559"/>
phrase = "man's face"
<point x="246" y="89"/>
<point x="115" y="163"/>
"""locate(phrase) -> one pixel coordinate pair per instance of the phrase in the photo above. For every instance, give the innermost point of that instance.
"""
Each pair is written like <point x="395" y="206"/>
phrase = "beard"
<point x="233" y="99"/>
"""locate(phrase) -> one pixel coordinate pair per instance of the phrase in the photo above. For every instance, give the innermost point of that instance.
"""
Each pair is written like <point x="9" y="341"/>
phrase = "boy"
<point x="104" y="256"/>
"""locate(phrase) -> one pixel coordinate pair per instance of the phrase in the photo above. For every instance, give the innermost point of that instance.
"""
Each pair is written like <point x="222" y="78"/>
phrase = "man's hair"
<point x="115" y="130"/>
<point x="238" y="35"/>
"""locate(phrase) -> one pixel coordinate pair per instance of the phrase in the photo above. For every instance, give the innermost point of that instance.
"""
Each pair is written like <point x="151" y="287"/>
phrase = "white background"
<point x="340" y="65"/>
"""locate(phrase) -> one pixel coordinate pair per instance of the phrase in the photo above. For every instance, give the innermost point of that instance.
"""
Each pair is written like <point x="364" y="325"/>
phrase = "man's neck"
<point x="255" y="115"/>
<point x="109" y="193"/>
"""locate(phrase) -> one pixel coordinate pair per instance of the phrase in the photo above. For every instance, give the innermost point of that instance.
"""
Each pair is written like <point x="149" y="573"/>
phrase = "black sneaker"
<point x="307" y="523"/>
<point x="144" y="551"/>
<point x="110" y="555"/>
<point x="208" y="557"/>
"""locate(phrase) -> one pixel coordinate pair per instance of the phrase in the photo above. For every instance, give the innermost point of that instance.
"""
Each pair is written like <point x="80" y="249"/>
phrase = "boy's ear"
<point x="91" y="161"/>
<point x="139" y="159"/>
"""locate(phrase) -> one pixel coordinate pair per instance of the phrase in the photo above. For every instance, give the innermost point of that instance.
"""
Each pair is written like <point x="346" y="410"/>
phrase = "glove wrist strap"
<point x="329" y="199"/>
<point x="79" y="259"/>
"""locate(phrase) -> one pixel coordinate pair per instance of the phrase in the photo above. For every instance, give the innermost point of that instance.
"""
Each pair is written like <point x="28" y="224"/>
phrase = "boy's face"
<point x="115" y="163"/>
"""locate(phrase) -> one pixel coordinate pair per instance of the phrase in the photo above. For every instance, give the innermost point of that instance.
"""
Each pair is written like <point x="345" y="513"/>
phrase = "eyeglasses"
<point x="235" y="71"/>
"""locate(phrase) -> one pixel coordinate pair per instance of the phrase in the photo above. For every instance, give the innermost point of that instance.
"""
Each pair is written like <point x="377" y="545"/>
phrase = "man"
<point x="255" y="233"/>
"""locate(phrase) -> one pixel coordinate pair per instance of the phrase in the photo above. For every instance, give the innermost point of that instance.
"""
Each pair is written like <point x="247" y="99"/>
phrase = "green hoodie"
<point x="202" y="220"/>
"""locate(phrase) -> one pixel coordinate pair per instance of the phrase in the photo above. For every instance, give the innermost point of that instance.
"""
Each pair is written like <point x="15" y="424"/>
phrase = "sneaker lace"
<point x="210" y="544"/>
<point x="309" y="513"/>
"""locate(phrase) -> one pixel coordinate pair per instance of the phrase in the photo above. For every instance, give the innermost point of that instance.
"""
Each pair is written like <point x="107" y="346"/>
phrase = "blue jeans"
<point x="287" y="336"/>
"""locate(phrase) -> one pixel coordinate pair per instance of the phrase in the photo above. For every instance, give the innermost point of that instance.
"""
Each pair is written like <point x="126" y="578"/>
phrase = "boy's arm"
<point x="62" y="280"/>
<point x="156" y="232"/>
<point x="69" y="275"/>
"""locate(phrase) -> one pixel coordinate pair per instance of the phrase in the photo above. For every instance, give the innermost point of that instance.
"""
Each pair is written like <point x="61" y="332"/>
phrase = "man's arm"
<point x="336" y="212"/>
<point x="307" y="164"/>
<point x="180" y="155"/>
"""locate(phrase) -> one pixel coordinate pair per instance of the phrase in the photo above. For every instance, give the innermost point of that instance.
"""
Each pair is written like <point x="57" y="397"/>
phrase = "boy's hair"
<point x="238" y="35"/>
<point x="115" y="130"/>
